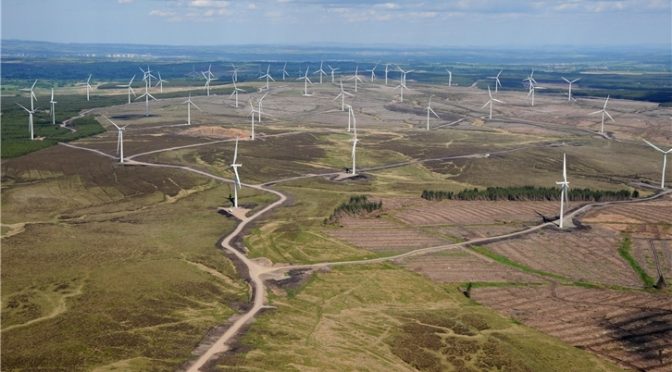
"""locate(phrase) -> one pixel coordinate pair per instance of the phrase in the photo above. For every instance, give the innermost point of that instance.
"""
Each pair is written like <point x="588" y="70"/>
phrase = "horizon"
<point x="451" y="23"/>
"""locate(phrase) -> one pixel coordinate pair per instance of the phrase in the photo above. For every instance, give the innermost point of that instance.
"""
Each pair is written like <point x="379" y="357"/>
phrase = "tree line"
<point x="529" y="193"/>
<point x="357" y="205"/>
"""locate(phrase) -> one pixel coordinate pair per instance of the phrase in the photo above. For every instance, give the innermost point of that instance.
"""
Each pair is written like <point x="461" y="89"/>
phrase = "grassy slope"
<point x="382" y="318"/>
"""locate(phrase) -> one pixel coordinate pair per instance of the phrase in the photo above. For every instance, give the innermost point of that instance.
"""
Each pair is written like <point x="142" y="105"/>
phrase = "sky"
<point x="463" y="23"/>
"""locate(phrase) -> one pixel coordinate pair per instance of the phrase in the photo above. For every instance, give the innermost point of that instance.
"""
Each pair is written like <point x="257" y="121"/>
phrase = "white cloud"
<point x="124" y="1"/>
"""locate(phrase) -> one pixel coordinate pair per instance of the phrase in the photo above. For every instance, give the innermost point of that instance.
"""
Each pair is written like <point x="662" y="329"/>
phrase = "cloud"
<point x="124" y="1"/>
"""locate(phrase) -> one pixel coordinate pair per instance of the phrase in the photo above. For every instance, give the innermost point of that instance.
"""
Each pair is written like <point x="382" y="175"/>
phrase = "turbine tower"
<point x="87" y="85"/>
<point x="333" y="81"/>
<point x="147" y="96"/>
<point x="160" y="83"/>
<point x="267" y="76"/>
<point x="387" y="69"/>
<point x="490" y="102"/>
<point x="53" y="108"/>
<point x="354" y="143"/>
<point x="320" y="72"/>
<point x="498" y="83"/>
<point x="120" y="140"/>
<point x="530" y="79"/>
<point x="284" y="72"/>
<point x="130" y="89"/>
<point x="662" y="180"/>
<point x="450" y="78"/>
<point x="234" y="72"/>
<point x="342" y="95"/>
<point x="190" y="103"/>
<point x="147" y="75"/>
<point x="259" y="107"/>
<point x="604" y="113"/>
<point x="235" y="167"/>
<point x="430" y="111"/>
<point x="31" y="95"/>
<point x="209" y="76"/>
<point x="373" y="73"/>
<point x="30" y="121"/>
<point x="306" y="81"/>
<point x="352" y="120"/>
<point x="235" y="91"/>
<point x="564" y="187"/>
<point x="356" y="77"/>
<point x="252" y="112"/>
<point x="569" y="92"/>
<point x="401" y="87"/>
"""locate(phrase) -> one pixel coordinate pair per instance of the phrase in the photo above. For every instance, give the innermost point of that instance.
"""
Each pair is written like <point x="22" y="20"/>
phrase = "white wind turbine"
<point x="354" y="142"/>
<point x="120" y="139"/>
<point x="130" y="89"/>
<point x="320" y="72"/>
<point x="31" y="95"/>
<point x="604" y="113"/>
<point x="532" y="89"/>
<point x="564" y="187"/>
<point x="267" y="76"/>
<point x="190" y="103"/>
<point x="260" y="107"/>
<point x="147" y="96"/>
<point x="356" y="77"/>
<point x="53" y="107"/>
<point x="252" y="112"/>
<point x="387" y="69"/>
<point x="450" y="78"/>
<point x="498" y="83"/>
<point x="430" y="110"/>
<point x="373" y="73"/>
<point x="234" y="72"/>
<point x="352" y="120"/>
<point x="160" y="83"/>
<point x="333" y="81"/>
<point x="530" y="79"/>
<point x="147" y="75"/>
<point x="30" y="121"/>
<point x="403" y="75"/>
<point x="401" y="87"/>
<point x="236" y="184"/>
<point x="209" y="76"/>
<point x="490" y="102"/>
<point x="569" y="92"/>
<point x="342" y="95"/>
<point x="662" y="180"/>
<point x="235" y="91"/>
<point x="87" y="84"/>
<point x="306" y="81"/>
<point x="284" y="71"/>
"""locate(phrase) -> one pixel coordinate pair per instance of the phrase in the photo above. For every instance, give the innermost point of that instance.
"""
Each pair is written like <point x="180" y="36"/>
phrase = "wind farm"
<point x="334" y="208"/>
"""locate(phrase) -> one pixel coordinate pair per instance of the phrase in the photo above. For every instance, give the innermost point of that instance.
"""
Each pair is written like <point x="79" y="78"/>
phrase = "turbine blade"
<point x="654" y="146"/>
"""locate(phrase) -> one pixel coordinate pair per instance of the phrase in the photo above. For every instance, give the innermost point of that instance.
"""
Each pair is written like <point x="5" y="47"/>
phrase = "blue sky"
<point x="505" y="23"/>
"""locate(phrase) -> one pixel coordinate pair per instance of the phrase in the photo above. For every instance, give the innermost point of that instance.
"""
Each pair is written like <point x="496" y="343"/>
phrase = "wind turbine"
<point x="352" y="120"/>
<point x="234" y="75"/>
<point x="373" y="73"/>
<point x="332" y="74"/>
<point x="306" y="81"/>
<point x="490" y="102"/>
<point x="354" y="142"/>
<point x="320" y="72"/>
<point x="209" y="76"/>
<point x="147" y="96"/>
<point x="31" y="95"/>
<point x="120" y="140"/>
<point x="160" y="82"/>
<point x="533" y="88"/>
<point x="53" y="108"/>
<point x="87" y="85"/>
<point x="259" y="107"/>
<point x="235" y="91"/>
<point x="430" y="110"/>
<point x="403" y="75"/>
<point x="356" y="78"/>
<point x="530" y="78"/>
<point x="450" y="78"/>
<point x="252" y="112"/>
<point x="564" y="187"/>
<point x="236" y="184"/>
<point x="387" y="69"/>
<point x="569" y="92"/>
<point x="284" y="72"/>
<point x="147" y="75"/>
<point x="604" y="113"/>
<point x="130" y="89"/>
<point x="662" y="180"/>
<point x="498" y="83"/>
<point x="342" y="95"/>
<point x="30" y="121"/>
<point x="190" y="103"/>
<point x="267" y="76"/>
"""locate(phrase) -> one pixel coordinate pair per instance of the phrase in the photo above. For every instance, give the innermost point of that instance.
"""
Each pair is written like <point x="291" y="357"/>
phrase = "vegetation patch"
<point x="529" y="193"/>
<point x="517" y="265"/>
<point x="625" y="251"/>
<point x="358" y="205"/>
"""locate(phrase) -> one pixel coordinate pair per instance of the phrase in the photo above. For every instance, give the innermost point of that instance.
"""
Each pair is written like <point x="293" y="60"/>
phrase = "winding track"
<point x="258" y="272"/>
